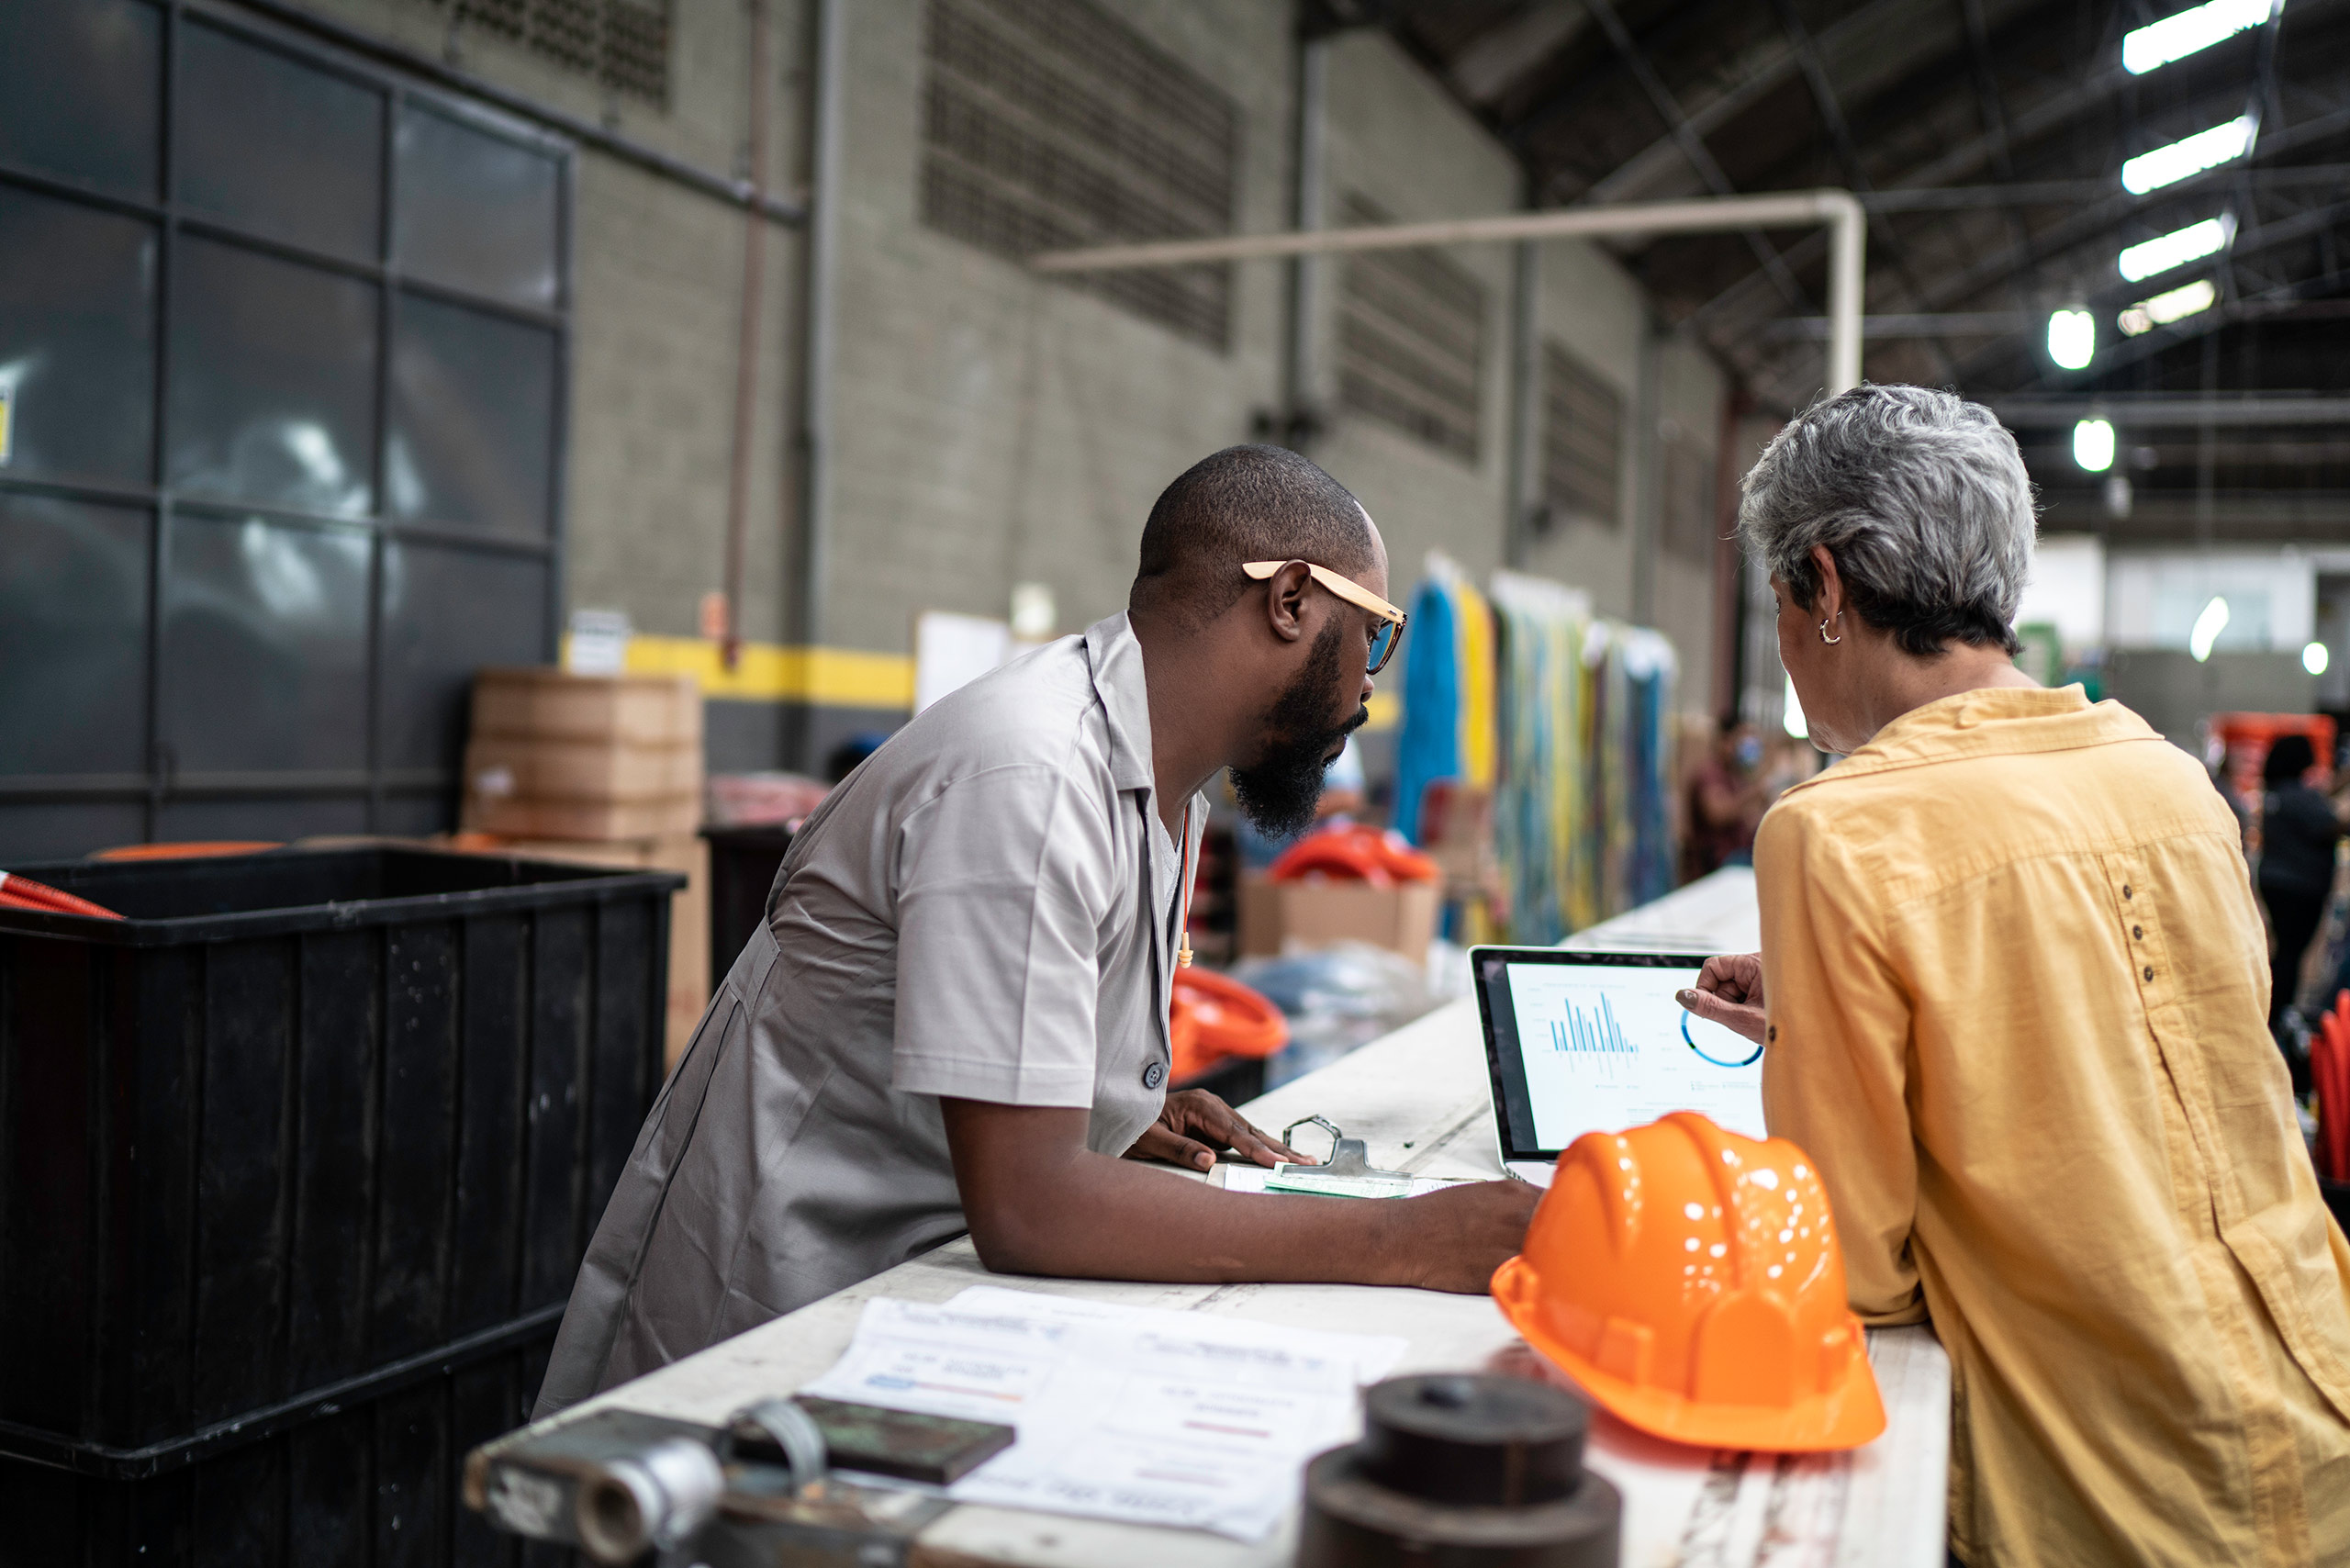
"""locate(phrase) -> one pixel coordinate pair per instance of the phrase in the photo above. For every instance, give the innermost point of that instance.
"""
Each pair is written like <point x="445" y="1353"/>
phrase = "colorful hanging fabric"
<point x="1449" y="691"/>
<point x="1539" y="788"/>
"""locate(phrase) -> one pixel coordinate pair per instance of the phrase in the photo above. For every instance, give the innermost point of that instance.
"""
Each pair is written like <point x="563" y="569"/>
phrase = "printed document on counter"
<point x="1123" y="1413"/>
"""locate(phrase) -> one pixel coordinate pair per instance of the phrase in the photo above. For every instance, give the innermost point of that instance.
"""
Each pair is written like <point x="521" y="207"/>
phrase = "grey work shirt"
<point x="984" y="909"/>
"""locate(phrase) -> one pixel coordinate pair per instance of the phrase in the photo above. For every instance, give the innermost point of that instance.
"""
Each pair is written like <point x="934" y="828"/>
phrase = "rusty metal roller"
<point x="1461" y="1471"/>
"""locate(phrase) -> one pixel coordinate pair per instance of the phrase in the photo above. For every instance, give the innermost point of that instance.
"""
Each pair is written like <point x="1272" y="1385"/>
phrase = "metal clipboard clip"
<point x="1348" y="1173"/>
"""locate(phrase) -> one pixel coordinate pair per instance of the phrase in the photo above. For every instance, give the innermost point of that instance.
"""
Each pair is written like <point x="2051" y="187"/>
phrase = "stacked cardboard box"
<point x="599" y="770"/>
<point x="555" y="755"/>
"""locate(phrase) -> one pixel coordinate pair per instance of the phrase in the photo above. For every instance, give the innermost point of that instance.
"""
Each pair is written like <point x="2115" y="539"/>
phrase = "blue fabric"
<point x="1429" y="747"/>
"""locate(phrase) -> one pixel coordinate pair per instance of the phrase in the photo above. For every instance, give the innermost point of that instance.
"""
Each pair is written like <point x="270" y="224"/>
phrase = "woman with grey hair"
<point x="2013" y="987"/>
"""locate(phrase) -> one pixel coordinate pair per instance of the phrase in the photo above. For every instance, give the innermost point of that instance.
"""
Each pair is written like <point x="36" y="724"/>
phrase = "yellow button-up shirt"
<point x="2016" y="987"/>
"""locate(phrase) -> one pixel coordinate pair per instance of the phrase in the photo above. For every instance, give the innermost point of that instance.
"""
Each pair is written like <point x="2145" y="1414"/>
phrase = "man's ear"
<point x="1285" y="601"/>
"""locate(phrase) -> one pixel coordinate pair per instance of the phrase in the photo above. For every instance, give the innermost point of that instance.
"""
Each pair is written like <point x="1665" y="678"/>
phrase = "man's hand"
<point x="1194" y="1124"/>
<point x="1729" y="993"/>
<point x="1459" y="1236"/>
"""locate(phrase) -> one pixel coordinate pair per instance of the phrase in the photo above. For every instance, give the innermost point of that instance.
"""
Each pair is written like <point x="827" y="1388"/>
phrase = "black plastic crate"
<point x="743" y="865"/>
<point x="373" y="1482"/>
<point x="304" y="1131"/>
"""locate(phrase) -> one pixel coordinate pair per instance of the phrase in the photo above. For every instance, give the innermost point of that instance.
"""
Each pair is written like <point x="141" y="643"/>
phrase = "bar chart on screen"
<point x="1623" y="1052"/>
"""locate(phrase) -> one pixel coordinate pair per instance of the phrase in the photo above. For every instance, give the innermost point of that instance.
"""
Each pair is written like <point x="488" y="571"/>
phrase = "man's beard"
<point x="1279" y="791"/>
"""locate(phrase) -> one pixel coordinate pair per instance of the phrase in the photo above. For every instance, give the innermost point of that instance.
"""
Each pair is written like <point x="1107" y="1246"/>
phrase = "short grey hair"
<point x="1922" y="498"/>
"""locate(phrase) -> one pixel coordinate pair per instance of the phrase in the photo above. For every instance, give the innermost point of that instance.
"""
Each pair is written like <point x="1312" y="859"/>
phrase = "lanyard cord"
<point x="1183" y="897"/>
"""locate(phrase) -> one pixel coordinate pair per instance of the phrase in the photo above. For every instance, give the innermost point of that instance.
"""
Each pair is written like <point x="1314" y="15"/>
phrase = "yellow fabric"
<point x="2017" y="985"/>
<point x="1473" y="620"/>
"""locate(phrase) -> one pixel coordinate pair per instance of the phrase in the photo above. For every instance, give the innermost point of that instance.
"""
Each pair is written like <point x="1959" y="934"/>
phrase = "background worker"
<point x="2012" y="986"/>
<point x="2299" y="829"/>
<point x="1726" y="801"/>
<point x="956" y="1014"/>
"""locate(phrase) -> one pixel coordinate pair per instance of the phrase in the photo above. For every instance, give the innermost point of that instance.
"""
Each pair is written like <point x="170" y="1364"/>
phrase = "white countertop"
<point x="1420" y="1098"/>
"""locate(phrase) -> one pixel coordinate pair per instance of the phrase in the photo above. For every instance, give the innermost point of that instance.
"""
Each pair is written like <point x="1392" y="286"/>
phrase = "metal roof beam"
<point x="1692" y="146"/>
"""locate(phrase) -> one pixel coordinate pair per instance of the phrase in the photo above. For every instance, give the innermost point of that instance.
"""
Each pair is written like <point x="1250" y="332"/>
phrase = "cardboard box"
<point x="690" y="980"/>
<point x="603" y="822"/>
<point x="556" y="704"/>
<point x="537" y="768"/>
<point x="1314" y="913"/>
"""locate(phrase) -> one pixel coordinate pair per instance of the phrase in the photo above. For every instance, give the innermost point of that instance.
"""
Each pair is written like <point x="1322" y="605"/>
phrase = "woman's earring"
<point x="1823" y="633"/>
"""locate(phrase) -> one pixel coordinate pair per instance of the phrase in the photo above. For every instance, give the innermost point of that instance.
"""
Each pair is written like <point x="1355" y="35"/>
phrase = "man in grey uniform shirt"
<point x="955" y="1016"/>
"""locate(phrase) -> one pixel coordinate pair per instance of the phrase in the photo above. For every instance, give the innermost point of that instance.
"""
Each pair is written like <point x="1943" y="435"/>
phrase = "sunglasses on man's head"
<point x="1388" y="628"/>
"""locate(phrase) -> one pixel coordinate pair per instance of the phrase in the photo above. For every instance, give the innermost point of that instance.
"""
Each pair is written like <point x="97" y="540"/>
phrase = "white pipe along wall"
<point x="1838" y="209"/>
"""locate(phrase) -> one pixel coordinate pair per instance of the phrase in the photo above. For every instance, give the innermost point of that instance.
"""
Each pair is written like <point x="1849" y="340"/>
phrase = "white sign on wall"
<point x="2155" y="600"/>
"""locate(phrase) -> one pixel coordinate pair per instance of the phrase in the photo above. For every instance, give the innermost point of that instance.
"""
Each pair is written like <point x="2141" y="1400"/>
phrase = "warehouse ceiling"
<point x="1988" y="139"/>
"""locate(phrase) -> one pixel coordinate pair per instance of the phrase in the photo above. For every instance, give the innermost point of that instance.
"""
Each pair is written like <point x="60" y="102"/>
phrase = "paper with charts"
<point x="1123" y="1413"/>
<point x="1607" y="1047"/>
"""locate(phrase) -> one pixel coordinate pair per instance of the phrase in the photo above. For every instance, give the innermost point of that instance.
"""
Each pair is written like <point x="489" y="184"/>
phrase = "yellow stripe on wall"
<point x="769" y="672"/>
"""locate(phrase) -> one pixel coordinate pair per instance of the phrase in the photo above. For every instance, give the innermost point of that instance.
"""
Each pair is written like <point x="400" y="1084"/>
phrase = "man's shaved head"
<point x="1245" y="503"/>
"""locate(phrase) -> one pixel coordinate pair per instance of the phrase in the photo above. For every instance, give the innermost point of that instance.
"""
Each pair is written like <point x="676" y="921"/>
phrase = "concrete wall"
<point x="991" y="427"/>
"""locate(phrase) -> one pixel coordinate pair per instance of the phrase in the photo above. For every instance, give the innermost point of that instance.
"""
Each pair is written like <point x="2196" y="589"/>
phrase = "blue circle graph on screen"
<point x="1749" y="1060"/>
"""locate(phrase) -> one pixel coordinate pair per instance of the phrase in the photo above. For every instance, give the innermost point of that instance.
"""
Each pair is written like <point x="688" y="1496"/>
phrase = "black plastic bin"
<point x="297" y="1165"/>
<point x="742" y="864"/>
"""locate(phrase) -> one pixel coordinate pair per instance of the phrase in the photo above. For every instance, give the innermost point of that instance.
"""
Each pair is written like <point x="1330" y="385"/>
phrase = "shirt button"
<point x="1156" y="1073"/>
<point x="1773" y="1034"/>
<point x="2139" y="932"/>
<point x="2148" y="972"/>
<point x="2125" y="890"/>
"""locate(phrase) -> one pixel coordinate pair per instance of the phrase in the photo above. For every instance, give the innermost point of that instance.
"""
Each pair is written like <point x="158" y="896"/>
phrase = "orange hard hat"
<point x="1211" y="1017"/>
<point x="1689" y="1279"/>
<point x="1354" y="851"/>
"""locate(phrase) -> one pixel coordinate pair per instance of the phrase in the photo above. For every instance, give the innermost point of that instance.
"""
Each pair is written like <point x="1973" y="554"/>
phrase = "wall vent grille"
<point x="1689" y="524"/>
<point x="1048" y="124"/>
<point x="1412" y="340"/>
<point x="624" y="44"/>
<point x="1582" y="440"/>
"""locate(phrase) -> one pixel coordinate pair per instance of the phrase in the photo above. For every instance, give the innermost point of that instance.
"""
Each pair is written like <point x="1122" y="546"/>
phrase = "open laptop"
<point x="1595" y="1042"/>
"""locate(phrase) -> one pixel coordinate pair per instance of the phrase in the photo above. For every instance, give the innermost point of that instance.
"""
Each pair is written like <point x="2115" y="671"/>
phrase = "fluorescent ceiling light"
<point x="2188" y="155"/>
<point x="2208" y="627"/>
<point x="2072" y="338"/>
<point x="2177" y="248"/>
<point x="2093" y="446"/>
<point x="2174" y="306"/>
<point x="2314" y="658"/>
<point x="2200" y="27"/>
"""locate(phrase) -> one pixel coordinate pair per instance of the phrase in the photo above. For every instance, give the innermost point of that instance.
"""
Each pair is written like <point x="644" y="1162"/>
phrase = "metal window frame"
<point x="161" y="782"/>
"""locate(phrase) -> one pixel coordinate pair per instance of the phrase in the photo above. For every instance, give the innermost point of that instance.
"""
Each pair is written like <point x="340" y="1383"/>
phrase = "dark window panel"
<point x="447" y="612"/>
<point x="265" y="647"/>
<point x="272" y="821"/>
<point x="276" y="146"/>
<point x="78" y="90"/>
<point x="73" y="636"/>
<point x="66" y="830"/>
<point x="477" y="212"/>
<point x="273" y="396"/>
<point x="472" y="427"/>
<point x="77" y="339"/>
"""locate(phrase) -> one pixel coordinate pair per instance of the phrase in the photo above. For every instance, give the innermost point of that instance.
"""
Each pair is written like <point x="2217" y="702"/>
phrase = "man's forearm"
<point x="1039" y="1201"/>
<point x="1113" y="1219"/>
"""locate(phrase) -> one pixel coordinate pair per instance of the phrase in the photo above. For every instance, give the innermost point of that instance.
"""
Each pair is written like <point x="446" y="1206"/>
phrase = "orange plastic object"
<point x="1689" y="1279"/>
<point x="1356" y="852"/>
<point x="2248" y="736"/>
<point x="23" y="892"/>
<point x="1213" y="1016"/>
<point x="190" y="849"/>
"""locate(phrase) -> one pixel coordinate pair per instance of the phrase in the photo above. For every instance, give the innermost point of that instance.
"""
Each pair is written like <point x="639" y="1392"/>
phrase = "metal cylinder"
<point x="1466" y="1472"/>
<point x="651" y="1499"/>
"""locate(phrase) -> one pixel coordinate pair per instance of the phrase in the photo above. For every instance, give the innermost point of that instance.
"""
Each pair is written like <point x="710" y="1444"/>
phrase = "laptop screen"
<point x="1595" y="1042"/>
